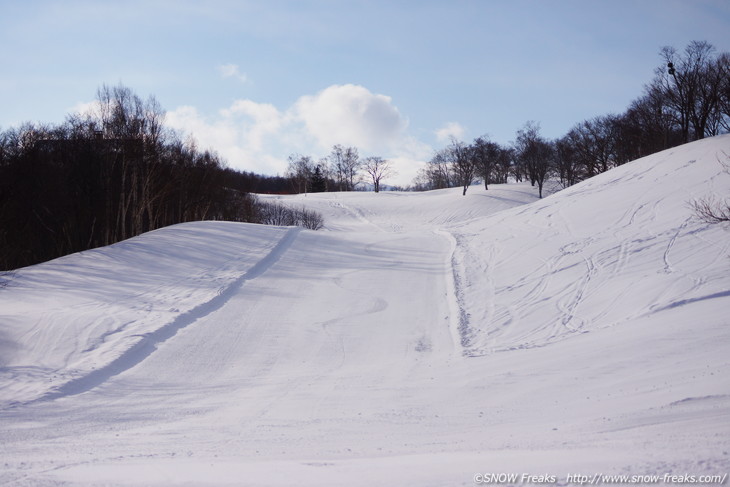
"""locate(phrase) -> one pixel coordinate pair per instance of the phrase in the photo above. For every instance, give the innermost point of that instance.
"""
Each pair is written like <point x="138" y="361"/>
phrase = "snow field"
<point x="418" y="340"/>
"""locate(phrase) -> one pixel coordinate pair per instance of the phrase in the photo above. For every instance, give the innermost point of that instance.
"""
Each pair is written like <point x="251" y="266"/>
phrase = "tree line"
<point x="342" y="170"/>
<point x="115" y="173"/>
<point x="688" y="99"/>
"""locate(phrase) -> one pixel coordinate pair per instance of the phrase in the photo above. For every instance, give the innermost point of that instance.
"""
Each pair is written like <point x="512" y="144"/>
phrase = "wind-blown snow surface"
<point x="418" y="340"/>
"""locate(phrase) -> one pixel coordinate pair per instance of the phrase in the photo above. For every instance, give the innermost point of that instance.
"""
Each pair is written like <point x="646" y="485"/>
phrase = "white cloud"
<point x="351" y="115"/>
<point x="259" y="136"/>
<point x="250" y="136"/>
<point x="232" y="71"/>
<point x="451" y="129"/>
<point x="83" y="108"/>
<point x="255" y="121"/>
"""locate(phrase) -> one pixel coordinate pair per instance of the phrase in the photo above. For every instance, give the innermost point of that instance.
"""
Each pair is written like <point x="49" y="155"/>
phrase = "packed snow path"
<point x="420" y="339"/>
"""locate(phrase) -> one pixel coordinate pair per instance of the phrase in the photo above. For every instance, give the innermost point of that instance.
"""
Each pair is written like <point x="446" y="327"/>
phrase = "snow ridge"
<point x="149" y="342"/>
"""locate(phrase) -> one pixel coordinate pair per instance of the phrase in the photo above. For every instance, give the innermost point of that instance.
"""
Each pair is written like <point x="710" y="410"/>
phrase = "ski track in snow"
<point x="458" y="317"/>
<point x="415" y="341"/>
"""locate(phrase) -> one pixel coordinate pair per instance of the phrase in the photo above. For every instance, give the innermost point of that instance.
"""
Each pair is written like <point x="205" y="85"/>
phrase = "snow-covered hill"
<point x="419" y="339"/>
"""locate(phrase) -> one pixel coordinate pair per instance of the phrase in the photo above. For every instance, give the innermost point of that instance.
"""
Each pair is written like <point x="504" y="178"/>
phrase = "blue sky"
<point x="259" y="80"/>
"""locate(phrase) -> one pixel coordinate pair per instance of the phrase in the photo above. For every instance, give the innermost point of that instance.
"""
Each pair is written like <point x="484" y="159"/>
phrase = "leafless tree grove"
<point x="109" y="175"/>
<point x="688" y="99"/>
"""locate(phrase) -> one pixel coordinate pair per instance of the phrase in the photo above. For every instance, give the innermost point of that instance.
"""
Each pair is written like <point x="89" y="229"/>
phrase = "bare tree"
<point x="724" y="65"/>
<point x="462" y="162"/>
<point x="378" y="169"/>
<point x="535" y="153"/>
<point x="719" y="120"/>
<point x="710" y="210"/>
<point x="438" y="173"/>
<point x="503" y="165"/>
<point x="644" y="128"/>
<point x="567" y="164"/>
<point x="345" y="163"/>
<point x="485" y="154"/>
<point x="593" y="141"/>
<point x="692" y="83"/>
<point x="300" y="171"/>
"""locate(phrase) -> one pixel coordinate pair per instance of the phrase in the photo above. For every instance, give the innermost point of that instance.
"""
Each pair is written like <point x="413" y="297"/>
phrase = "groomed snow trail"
<point x="418" y="340"/>
<point x="324" y="335"/>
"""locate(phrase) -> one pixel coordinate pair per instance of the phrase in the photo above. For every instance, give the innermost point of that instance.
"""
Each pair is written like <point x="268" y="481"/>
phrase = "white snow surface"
<point x="419" y="339"/>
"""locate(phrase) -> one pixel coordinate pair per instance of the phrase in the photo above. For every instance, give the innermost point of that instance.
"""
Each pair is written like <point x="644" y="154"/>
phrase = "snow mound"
<point x="70" y="323"/>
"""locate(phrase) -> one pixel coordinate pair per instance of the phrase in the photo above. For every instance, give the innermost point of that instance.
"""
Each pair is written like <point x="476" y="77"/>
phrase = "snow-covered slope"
<point x="621" y="249"/>
<point x="420" y="339"/>
<point x="64" y="319"/>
